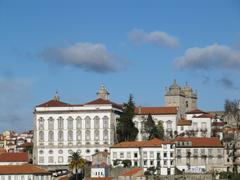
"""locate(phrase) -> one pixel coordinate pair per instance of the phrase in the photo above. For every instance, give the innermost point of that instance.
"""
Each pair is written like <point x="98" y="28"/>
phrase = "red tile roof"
<point x="132" y="171"/>
<point x="104" y="101"/>
<point x="14" y="157"/>
<point x="155" y="110"/>
<point x="2" y="150"/>
<point x="218" y="123"/>
<point x="196" y="111"/>
<point x="22" y="169"/>
<point x="135" y="144"/>
<point x="201" y="141"/>
<point x="184" y="122"/>
<point x="54" y="103"/>
<point x="205" y="116"/>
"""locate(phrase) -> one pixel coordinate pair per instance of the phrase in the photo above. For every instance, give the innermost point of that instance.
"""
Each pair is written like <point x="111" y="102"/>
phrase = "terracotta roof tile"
<point x="196" y="111"/>
<point x="22" y="169"/>
<point x="204" y="116"/>
<point x="155" y="110"/>
<point x="201" y="141"/>
<point x="135" y="144"/>
<point x="54" y="103"/>
<point x="104" y="101"/>
<point x="132" y="172"/>
<point x="14" y="157"/>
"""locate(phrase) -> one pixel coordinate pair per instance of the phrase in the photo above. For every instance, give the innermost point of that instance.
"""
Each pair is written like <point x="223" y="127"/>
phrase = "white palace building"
<point x="62" y="128"/>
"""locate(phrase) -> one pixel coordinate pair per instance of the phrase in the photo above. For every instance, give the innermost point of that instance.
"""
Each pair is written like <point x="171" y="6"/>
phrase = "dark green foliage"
<point x="150" y="128"/>
<point x="126" y="130"/>
<point x="127" y="163"/>
<point x="160" y="130"/>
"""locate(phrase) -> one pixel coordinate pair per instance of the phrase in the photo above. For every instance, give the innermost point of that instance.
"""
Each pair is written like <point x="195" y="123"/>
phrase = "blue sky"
<point x="136" y="47"/>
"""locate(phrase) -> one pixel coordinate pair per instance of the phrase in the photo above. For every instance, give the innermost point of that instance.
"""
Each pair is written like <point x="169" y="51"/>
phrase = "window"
<point x="135" y="163"/>
<point x="50" y="152"/>
<point x="210" y="151"/>
<point x="158" y="155"/>
<point x="151" y="154"/>
<point x="60" y="135"/>
<point x="79" y="135"/>
<point x="40" y="151"/>
<point x="145" y="162"/>
<point x="50" y="136"/>
<point x="145" y="154"/>
<point x="87" y="151"/>
<point x="169" y="124"/>
<point x="50" y="159"/>
<point x="186" y="104"/>
<point x="60" y="159"/>
<point x="171" y="162"/>
<point x="41" y="123"/>
<point x="129" y="155"/>
<point x="203" y="125"/>
<point x="105" y="134"/>
<point x="151" y="163"/>
<point x="164" y="146"/>
<point x="70" y="122"/>
<point x="165" y="154"/>
<point x="60" y="151"/>
<point x="121" y="155"/>
<point x="50" y="123"/>
<point x="70" y="135"/>
<point x="79" y="122"/>
<point x="195" y="126"/>
<point x="178" y="151"/>
<point x="87" y="133"/>
<point x="41" y="159"/>
<point x="182" y="128"/>
<point x="202" y="151"/>
<point x="41" y="136"/>
<point x="195" y="151"/>
<point x="87" y="122"/>
<point x="114" y="155"/>
<point x="96" y="122"/>
<point x="164" y="162"/>
<point x="135" y="155"/>
<point x="220" y="151"/>
<point x="96" y="135"/>
<point x="60" y="123"/>
<point x="105" y="122"/>
<point x="171" y="154"/>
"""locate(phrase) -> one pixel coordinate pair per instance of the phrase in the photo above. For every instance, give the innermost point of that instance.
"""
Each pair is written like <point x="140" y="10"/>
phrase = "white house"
<point x="24" y="172"/>
<point x="62" y="128"/>
<point x="167" y="115"/>
<point x="145" y="154"/>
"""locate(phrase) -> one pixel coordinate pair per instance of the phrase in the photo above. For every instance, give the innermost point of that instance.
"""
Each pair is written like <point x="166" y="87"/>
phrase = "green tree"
<point x="160" y="130"/>
<point x="126" y="130"/>
<point x="76" y="163"/>
<point x="151" y="128"/>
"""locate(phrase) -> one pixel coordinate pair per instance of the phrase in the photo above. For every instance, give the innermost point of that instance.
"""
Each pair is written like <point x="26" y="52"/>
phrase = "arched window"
<point x="50" y="136"/>
<point x="105" y="134"/>
<point x="79" y="122"/>
<point x="87" y="122"/>
<point x="70" y="135"/>
<point x="87" y="135"/>
<point x="96" y="135"/>
<point x="50" y="123"/>
<point x="60" y="123"/>
<point x="96" y="122"/>
<point x="105" y="122"/>
<point x="169" y="124"/>
<point x="41" y="123"/>
<point x="70" y="122"/>
<point x="41" y="136"/>
<point x="60" y="135"/>
<point x="79" y="135"/>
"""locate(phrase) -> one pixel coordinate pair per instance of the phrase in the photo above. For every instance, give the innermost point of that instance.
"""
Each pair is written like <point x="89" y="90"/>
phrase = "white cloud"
<point x="88" y="56"/>
<point x="210" y="57"/>
<point x="158" y="38"/>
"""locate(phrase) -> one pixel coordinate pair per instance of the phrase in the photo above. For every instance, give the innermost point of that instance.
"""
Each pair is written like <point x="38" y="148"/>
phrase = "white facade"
<point x="160" y="156"/>
<point x="25" y="177"/>
<point x="61" y="129"/>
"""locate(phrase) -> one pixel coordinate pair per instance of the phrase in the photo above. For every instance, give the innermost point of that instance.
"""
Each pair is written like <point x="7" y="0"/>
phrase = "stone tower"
<point x="103" y="93"/>
<point x="182" y="97"/>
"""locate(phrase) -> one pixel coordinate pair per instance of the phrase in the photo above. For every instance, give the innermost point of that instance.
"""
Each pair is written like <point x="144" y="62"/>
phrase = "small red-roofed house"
<point x="13" y="158"/>
<point x="23" y="172"/>
<point x="132" y="174"/>
<point x="145" y="154"/>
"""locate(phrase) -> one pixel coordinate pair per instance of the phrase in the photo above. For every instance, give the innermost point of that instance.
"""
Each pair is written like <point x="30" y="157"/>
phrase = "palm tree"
<point x="76" y="162"/>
